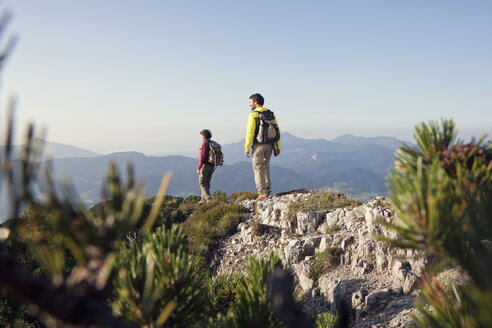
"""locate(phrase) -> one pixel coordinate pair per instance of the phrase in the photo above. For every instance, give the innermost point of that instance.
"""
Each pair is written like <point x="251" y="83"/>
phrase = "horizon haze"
<point x="68" y="151"/>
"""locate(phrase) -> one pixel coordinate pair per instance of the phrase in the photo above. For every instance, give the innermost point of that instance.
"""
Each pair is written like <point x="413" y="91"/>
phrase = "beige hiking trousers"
<point x="261" y="155"/>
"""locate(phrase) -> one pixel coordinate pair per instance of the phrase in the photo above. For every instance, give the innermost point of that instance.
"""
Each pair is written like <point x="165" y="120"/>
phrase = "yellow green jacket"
<point x="251" y="127"/>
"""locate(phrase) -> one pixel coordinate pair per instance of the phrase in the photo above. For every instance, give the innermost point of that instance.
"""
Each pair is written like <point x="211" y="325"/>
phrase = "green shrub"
<point x="191" y="199"/>
<point x="323" y="262"/>
<point x="229" y="222"/>
<point x="20" y="323"/>
<point x="253" y="307"/>
<point x="159" y="284"/>
<point x="187" y="208"/>
<point x="211" y="221"/>
<point x="13" y="314"/>
<point x="325" y="320"/>
<point x="219" y="196"/>
<point x="222" y="293"/>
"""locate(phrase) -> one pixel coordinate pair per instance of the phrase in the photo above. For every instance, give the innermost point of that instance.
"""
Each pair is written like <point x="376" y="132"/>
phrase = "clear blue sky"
<point x="149" y="75"/>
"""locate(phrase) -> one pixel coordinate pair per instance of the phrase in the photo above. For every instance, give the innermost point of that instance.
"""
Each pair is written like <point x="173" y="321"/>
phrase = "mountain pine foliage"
<point x="442" y="194"/>
<point x="158" y="281"/>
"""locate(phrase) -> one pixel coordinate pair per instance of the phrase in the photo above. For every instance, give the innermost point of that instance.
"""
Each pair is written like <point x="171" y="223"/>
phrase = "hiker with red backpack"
<point x="263" y="136"/>
<point x="210" y="157"/>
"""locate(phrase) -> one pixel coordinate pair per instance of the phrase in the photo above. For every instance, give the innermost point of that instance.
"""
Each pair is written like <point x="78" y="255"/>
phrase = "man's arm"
<point x="250" y="133"/>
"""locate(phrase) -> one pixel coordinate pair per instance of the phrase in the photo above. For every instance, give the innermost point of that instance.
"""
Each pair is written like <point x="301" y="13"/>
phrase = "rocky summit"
<point x="377" y="282"/>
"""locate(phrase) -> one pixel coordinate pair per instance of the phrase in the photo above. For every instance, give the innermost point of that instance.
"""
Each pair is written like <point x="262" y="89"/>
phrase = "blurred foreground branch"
<point x="57" y="301"/>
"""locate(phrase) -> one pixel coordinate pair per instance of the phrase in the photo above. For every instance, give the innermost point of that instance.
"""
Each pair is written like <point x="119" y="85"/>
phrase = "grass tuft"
<point x="332" y="229"/>
<point x="243" y="195"/>
<point x="323" y="262"/>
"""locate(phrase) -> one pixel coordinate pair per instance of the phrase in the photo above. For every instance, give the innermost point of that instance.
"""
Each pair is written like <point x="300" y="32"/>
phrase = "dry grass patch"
<point x="322" y="201"/>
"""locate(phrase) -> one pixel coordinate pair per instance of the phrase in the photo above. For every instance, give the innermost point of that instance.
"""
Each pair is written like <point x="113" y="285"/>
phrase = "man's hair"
<point x="258" y="98"/>
<point x="206" y="133"/>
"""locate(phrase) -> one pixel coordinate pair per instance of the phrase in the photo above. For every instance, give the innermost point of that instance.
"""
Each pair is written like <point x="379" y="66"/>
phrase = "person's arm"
<point x="250" y="133"/>
<point x="203" y="156"/>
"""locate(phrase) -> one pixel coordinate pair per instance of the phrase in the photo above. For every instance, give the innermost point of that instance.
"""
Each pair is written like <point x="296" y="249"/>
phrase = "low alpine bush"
<point x="211" y="221"/>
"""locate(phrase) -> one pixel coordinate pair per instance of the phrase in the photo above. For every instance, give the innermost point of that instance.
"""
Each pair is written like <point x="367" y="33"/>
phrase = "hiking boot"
<point x="261" y="197"/>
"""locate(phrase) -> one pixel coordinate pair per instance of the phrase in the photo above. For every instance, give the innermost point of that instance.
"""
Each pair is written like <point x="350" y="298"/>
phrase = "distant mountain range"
<point x="54" y="150"/>
<point x="354" y="165"/>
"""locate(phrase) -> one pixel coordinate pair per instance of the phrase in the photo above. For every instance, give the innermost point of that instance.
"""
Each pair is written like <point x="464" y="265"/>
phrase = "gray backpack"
<point x="268" y="131"/>
<point x="215" y="155"/>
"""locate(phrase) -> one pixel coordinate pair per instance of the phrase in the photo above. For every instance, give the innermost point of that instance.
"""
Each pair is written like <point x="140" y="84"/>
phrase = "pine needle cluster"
<point x="158" y="283"/>
<point x="442" y="194"/>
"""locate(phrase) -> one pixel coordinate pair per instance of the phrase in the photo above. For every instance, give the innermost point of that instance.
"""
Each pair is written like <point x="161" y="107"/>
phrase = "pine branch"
<point x="57" y="301"/>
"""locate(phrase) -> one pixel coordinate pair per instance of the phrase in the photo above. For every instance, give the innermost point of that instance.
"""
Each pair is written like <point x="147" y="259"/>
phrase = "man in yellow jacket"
<point x="261" y="151"/>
